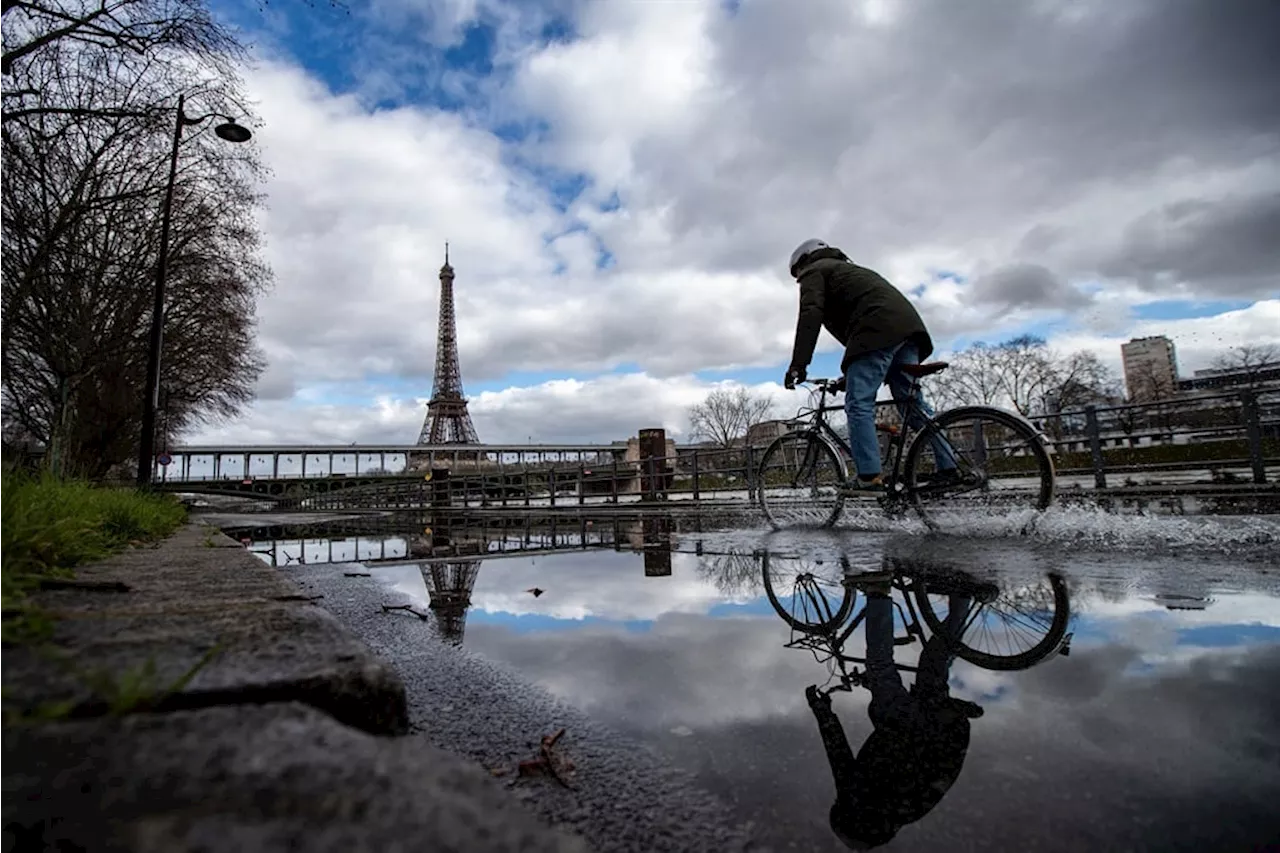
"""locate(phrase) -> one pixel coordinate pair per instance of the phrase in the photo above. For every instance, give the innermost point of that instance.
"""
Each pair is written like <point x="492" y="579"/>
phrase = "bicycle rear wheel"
<point x="799" y="481"/>
<point x="1006" y="630"/>
<point x="1007" y="476"/>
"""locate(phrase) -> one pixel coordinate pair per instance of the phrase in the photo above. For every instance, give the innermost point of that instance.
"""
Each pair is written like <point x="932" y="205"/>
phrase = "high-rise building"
<point x="1150" y="369"/>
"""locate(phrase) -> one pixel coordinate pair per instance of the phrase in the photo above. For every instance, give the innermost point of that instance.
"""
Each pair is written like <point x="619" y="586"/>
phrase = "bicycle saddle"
<point x="921" y="370"/>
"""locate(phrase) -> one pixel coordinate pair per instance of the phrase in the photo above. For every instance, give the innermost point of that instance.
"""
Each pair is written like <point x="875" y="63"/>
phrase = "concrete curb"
<point x="251" y="778"/>
<point x="280" y="741"/>
<point x="199" y="593"/>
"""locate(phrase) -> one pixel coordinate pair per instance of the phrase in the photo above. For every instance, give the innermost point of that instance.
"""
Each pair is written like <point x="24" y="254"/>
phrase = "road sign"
<point x="164" y="459"/>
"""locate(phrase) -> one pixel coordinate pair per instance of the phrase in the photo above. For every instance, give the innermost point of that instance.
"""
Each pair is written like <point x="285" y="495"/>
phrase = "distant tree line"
<point x="90" y="91"/>
<point x="1023" y="373"/>
<point x="1026" y="375"/>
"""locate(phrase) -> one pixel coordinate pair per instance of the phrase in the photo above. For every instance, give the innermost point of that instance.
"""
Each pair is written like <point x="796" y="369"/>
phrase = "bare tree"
<point x="85" y="171"/>
<point x="1075" y="380"/>
<point x="1025" y="371"/>
<point x="971" y="379"/>
<point x="1249" y="360"/>
<point x="1081" y="379"/>
<point x="726" y="415"/>
<point x="133" y="54"/>
<point x="1150" y="384"/>
<point x="732" y="574"/>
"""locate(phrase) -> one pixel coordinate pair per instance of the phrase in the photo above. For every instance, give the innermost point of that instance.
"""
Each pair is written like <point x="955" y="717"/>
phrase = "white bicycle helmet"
<point x="810" y="245"/>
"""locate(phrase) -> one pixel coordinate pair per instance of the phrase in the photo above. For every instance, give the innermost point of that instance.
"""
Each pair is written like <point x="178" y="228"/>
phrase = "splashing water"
<point x="1096" y="528"/>
<point x="1091" y="528"/>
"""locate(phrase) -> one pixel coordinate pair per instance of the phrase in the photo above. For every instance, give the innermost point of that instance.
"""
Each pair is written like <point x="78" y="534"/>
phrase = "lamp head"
<point x="233" y="132"/>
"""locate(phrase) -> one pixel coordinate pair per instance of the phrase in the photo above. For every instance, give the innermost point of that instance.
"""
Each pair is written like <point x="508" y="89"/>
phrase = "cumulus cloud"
<point x="567" y="411"/>
<point x="1230" y="244"/>
<point x="1002" y="163"/>
<point x="1026" y="286"/>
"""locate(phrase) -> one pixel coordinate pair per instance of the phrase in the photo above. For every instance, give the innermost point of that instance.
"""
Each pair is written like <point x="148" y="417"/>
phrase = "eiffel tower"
<point x="447" y="421"/>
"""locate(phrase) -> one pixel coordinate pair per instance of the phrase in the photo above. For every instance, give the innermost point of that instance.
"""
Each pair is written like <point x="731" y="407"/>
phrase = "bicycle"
<point x="998" y="455"/>
<point x="1038" y="614"/>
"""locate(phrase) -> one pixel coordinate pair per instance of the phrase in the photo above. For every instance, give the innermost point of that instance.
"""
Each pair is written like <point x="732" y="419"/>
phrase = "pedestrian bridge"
<point x="204" y="463"/>
<point x="408" y="475"/>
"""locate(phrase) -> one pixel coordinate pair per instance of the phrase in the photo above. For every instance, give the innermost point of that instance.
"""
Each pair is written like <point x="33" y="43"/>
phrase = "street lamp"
<point x="231" y="132"/>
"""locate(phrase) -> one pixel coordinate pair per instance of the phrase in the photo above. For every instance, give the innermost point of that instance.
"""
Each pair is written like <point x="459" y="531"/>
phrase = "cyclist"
<point x="880" y="330"/>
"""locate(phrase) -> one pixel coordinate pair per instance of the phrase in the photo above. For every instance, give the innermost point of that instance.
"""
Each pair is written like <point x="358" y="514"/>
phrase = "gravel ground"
<point x="624" y="796"/>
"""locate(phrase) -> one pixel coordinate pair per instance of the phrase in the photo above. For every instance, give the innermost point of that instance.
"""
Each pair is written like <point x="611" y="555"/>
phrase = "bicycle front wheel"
<point x="810" y="595"/>
<point x="799" y="481"/>
<point x="1003" y="475"/>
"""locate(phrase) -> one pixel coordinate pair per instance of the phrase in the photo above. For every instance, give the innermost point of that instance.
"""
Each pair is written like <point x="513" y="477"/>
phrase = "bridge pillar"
<point x="419" y="461"/>
<point x="654" y="467"/>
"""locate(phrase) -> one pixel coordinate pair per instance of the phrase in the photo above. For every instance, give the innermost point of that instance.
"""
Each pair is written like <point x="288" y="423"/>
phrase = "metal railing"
<point x="698" y="474"/>
<point x="1217" y="433"/>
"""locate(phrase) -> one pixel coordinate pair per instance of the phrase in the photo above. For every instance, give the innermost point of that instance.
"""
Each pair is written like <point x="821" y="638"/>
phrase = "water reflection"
<point x="918" y="744"/>
<point x="920" y="735"/>
<point x="388" y="541"/>
<point x="1158" y="731"/>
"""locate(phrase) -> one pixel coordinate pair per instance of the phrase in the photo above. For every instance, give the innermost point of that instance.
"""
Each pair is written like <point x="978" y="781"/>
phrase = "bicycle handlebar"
<point x="825" y="384"/>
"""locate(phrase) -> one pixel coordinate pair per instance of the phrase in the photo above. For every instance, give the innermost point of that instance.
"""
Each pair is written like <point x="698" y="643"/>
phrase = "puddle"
<point x="1148" y="718"/>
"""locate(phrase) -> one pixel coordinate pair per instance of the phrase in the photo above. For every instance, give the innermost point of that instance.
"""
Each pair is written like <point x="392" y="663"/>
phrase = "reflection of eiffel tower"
<point x="449" y="585"/>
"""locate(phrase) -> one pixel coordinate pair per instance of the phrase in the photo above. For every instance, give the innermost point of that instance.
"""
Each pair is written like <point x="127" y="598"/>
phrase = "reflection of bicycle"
<point x="817" y="599"/>
<point x="1000" y="461"/>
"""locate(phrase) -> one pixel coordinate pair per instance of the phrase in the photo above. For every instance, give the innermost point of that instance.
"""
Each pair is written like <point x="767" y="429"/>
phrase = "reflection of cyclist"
<point x="920" y="739"/>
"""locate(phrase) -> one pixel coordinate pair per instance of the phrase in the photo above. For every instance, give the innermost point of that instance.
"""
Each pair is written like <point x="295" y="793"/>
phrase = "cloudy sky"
<point x="621" y="184"/>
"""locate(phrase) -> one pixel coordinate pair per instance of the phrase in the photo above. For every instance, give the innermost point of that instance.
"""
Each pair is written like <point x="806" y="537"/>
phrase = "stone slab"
<point x="195" y="593"/>
<point x="254" y="779"/>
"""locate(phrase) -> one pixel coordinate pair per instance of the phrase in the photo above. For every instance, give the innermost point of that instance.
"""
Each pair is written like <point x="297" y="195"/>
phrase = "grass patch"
<point x="50" y="526"/>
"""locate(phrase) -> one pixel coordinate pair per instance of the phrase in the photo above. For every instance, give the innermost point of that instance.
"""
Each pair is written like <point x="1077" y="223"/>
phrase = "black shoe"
<point x="857" y="487"/>
<point x="950" y="478"/>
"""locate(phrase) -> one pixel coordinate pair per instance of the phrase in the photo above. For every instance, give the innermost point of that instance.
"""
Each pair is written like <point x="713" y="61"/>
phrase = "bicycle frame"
<point x="898" y="437"/>
<point x="833" y="640"/>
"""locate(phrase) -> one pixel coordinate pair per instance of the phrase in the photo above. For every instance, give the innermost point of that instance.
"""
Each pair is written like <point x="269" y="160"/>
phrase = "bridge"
<point x="200" y="463"/>
<point x="404" y="476"/>
<point x="1221" y="444"/>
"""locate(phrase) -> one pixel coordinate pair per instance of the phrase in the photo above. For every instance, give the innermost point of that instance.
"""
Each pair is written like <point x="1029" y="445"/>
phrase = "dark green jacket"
<point x="858" y="306"/>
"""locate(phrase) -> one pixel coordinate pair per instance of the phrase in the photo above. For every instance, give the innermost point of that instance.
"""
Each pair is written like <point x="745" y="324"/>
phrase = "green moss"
<point x="50" y="526"/>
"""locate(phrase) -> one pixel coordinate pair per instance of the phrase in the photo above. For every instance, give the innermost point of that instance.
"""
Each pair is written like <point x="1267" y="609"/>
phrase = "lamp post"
<point x="231" y="132"/>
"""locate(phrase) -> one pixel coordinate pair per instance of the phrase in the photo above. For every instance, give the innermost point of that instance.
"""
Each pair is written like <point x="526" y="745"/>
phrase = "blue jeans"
<point x="863" y="379"/>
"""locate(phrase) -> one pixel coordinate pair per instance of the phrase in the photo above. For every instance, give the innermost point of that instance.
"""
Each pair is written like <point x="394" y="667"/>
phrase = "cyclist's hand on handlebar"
<point x="793" y="377"/>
